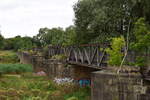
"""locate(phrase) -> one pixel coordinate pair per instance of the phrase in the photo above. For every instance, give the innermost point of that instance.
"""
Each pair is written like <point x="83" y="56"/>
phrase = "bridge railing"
<point x="93" y="55"/>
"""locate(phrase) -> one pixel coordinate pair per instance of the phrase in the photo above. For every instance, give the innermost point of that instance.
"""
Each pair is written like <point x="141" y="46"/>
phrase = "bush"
<point x="115" y="54"/>
<point x="15" y="68"/>
<point x="140" y="62"/>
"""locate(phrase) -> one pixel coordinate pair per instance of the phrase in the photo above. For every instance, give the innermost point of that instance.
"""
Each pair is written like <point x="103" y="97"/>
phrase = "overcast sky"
<point x="25" y="17"/>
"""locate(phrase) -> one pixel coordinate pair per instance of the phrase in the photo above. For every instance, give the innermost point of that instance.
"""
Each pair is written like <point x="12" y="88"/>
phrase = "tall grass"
<point x="8" y="57"/>
<point x="15" y="68"/>
<point x="27" y="86"/>
<point x="80" y="94"/>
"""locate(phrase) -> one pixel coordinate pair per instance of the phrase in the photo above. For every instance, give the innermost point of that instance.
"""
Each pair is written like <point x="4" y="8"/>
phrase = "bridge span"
<point x="93" y="56"/>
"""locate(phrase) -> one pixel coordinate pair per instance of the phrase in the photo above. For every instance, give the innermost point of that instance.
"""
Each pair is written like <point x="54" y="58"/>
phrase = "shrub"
<point x="59" y="57"/>
<point x="140" y="62"/>
<point x="15" y="68"/>
<point x="115" y="54"/>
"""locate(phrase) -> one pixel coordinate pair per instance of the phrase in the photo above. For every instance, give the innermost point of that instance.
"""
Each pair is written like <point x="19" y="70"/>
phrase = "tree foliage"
<point x="46" y="36"/>
<point x="107" y="18"/>
<point x="142" y="35"/>
<point x="70" y="36"/>
<point x="115" y="52"/>
<point x="1" y="41"/>
<point x="17" y="43"/>
<point x="50" y="36"/>
<point x="56" y="36"/>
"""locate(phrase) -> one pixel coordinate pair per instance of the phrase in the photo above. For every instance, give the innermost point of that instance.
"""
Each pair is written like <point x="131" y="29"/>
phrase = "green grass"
<point x="15" y="68"/>
<point x="81" y="94"/>
<point x="18" y="83"/>
<point x="8" y="57"/>
<point x="30" y="87"/>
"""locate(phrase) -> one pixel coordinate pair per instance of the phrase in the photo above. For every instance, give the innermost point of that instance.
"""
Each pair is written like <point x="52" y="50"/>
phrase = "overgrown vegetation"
<point x="17" y="82"/>
<point x="115" y="52"/>
<point x="142" y="35"/>
<point x="59" y="57"/>
<point x="30" y="87"/>
<point x="142" y="42"/>
<point x="8" y="57"/>
<point x="15" y="68"/>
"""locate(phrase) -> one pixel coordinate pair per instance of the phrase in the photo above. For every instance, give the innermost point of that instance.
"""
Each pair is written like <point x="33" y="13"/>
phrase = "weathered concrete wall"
<point x="25" y="58"/>
<point x="53" y="68"/>
<point x="110" y="86"/>
<point x="56" y="68"/>
<point x="38" y="63"/>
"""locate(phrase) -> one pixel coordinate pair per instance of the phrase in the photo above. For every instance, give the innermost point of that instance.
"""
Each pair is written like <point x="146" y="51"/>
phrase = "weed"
<point x="26" y="86"/>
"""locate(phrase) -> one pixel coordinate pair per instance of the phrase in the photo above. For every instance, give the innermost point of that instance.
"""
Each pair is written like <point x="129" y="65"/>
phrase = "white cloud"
<point x="25" y="17"/>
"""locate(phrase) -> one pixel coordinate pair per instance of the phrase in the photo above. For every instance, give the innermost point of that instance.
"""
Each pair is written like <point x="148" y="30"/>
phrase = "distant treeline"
<point x="96" y="21"/>
<point x="45" y="37"/>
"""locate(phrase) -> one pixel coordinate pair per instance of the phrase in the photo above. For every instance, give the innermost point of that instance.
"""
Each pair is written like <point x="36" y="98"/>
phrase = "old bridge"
<point x="93" y="56"/>
<point x="84" y="60"/>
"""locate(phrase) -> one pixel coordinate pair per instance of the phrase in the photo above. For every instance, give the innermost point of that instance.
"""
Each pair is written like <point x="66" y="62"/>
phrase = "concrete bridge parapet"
<point x="111" y="86"/>
<point x="56" y="68"/>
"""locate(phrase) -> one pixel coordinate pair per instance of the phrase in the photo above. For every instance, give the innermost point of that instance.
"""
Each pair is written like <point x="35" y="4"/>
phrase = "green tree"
<point x="141" y="44"/>
<point x="54" y="36"/>
<point x="18" y="42"/>
<point x="1" y="41"/>
<point x="26" y="43"/>
<point x="8" y="44"/>
<point x="142" y="35"/>
<point x="58" y="36"/>
<point x="70" y="36"/>
<point x="44" y="36"/>
<point x="102" y="19"/>
<point x="115" y="53"/>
